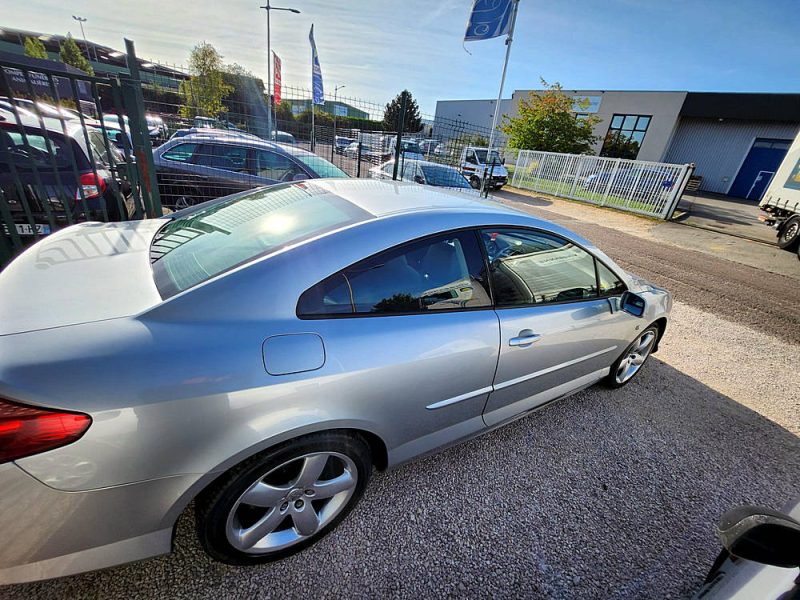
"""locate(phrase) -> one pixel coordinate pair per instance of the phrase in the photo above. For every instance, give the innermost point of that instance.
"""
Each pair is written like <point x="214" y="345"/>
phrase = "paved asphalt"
<point x="607" y="494"/>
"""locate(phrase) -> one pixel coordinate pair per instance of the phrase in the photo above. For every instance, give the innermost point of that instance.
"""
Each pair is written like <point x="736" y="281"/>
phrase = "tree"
<point x="35" y="48"/>
<point x="246" y="104"/>
<point x="283" y="112"/>
<point x="474" y="139"/>
<point x="205" y="89"/>
<point x="547" y="122"/>
<point x="72" y="55"/>
<point x="412" y="121"/>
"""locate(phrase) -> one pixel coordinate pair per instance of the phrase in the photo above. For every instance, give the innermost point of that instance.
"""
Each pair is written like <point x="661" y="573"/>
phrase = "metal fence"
<point x="62" y="159"/>
<point x="647" y="188"/>
<point x="75" y="147"/>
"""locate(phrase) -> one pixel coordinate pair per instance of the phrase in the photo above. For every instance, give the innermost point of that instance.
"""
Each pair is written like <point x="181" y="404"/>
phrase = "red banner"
<point x="276" y="84"/>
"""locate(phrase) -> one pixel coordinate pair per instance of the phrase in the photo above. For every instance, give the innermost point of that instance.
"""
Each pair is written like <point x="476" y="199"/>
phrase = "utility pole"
<point x="269" y="9"/>
<point x="335" y="91"/>
<point x="82" y="20"/>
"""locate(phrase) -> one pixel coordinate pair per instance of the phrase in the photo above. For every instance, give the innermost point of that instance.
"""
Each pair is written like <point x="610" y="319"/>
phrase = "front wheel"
<point x="627" y="366"/>
<point x="283" y="500"/>
<point x="790" y="234"/>
<point x="475" y="182"/>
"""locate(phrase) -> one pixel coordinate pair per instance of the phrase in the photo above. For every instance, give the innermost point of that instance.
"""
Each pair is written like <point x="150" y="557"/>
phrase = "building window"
<point x="625" y="136"/>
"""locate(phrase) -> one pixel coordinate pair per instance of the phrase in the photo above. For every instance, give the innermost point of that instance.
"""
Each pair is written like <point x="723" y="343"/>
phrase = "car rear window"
<point x="320" y="166"/>
<point x="445" y="176"/>
<point x="39" y="151"/>
<point x="213" y="239"/>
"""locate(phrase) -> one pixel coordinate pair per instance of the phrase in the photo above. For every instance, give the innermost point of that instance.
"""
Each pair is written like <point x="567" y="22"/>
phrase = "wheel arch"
<point x="378" y="449"/>
<point x="661" y="323"/>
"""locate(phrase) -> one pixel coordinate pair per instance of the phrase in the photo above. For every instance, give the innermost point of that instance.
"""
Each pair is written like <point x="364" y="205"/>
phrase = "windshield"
<point x="444" y="176"/>
<point x="211" y="240"/>
<point x="320" y="166"/>
<point x="481" y="154"/>
<point x="411" y="147"/>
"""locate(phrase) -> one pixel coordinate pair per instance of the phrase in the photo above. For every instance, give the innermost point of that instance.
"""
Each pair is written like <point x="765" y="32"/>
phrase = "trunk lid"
<point x="87" y="272"/>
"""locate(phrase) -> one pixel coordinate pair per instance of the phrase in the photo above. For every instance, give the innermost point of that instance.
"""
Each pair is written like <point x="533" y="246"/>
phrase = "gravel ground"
<point x="607" y="494"/>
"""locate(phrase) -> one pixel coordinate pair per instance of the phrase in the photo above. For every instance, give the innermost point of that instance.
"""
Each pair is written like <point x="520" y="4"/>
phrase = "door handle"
<point x="525" y="338"/>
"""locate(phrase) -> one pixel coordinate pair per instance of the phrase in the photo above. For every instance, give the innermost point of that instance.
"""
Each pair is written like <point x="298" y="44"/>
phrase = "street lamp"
<point x="269" y="9"/>
<point x="82" y="20"/>
<point x="335" y="91"/>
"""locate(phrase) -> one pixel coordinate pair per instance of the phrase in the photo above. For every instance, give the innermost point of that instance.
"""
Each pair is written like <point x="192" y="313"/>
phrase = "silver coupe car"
<point x="260" y="354"/>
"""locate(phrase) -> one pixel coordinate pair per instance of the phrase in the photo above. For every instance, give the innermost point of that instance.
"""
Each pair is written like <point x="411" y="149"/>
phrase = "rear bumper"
<point x="51" y="533"/>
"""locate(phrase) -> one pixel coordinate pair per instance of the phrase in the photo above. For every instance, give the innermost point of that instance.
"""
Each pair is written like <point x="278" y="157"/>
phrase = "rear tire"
<point x="789" y="239"/>
<point x="475" y="182"/>
<point x="276" y="503"/>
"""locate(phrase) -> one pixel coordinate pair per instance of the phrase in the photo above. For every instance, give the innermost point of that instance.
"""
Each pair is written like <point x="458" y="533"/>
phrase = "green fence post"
<point x="134" y="103"/>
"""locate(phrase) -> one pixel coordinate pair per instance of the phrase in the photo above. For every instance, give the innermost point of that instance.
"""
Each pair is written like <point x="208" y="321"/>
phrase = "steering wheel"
<point x="288" y="176"/>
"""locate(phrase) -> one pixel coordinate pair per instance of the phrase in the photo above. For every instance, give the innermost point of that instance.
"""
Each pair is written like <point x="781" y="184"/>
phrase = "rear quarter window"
<point x="180" y="153"/>
<point x="35" y="150"/>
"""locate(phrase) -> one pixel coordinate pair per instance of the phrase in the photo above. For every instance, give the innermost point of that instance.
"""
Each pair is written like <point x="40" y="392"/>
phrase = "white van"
<point x="477" y="163"/>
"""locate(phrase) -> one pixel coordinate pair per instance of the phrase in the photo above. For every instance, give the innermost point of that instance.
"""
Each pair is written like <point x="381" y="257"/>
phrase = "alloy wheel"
<point x="634" y="359"/>
<point x="292" y="502"/>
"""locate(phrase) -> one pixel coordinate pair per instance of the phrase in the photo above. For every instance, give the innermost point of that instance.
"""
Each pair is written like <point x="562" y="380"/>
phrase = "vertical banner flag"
<point x="316" y="71"/>
<point x="276" y="82"/>
<point x="488" y="19"/>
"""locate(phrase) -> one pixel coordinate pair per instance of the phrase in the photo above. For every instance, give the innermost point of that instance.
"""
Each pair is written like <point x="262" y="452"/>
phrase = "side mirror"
<point x="299" y="177"/>
<point x="633" y="304"/>
<point x="761" y="535"/>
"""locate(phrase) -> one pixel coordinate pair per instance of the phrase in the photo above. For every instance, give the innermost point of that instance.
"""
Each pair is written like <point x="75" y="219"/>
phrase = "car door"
<point x="179" y="176"/>
<point x="412" y="335"/>
<point x="226" y="168"/>
<point x="559" y="326"/>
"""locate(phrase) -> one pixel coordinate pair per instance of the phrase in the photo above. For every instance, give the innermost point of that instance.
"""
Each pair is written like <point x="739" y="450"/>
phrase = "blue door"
<point x="758" y="168"/>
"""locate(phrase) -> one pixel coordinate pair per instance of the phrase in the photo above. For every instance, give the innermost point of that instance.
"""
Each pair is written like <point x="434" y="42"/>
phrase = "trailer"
<point x="781" y="202"/>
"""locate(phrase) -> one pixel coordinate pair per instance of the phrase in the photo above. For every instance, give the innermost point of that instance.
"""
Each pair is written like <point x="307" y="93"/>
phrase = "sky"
<point x="376" y="48"/>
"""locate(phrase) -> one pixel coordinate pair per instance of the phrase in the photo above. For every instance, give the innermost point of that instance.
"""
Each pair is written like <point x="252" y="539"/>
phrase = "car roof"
<point x="227" y="138"/>
<point x="421" y="163"/>
<point x="382" y="198"/>
<point x="51" y="124"/>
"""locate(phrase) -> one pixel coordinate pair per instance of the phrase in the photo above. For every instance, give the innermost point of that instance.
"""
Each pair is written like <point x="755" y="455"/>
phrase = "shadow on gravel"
<point x="607" y="494"/>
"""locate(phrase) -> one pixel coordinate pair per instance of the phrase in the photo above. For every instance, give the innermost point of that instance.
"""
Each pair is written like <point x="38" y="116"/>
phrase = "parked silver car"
<point x="261" y="353"/>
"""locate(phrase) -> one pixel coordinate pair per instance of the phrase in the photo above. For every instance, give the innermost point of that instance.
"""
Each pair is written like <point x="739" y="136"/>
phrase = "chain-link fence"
<point x="125" y="146"/>
<point x="223" y="134"/>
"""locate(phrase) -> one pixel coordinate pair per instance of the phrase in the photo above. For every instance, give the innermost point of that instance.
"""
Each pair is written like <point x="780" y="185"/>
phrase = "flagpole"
<point x="509" y="40"/>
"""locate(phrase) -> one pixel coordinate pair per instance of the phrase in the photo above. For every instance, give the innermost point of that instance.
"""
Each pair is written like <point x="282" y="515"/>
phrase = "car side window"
<point x="408" y="170"/>
<point x="278" y="167"/>
<point x="440" y="273"/>
<point x="532" y="267"/>
<point x="610" y="284"/>
<point x="97" y="143"/>
<point x="471" y="158"/>
<point x="226" y="157"/>
<point x="180" y="153"/>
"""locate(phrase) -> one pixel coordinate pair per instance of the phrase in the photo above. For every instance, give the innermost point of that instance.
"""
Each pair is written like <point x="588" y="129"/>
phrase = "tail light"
<point x="92" y="185"/>
<point x="27" y="430"/>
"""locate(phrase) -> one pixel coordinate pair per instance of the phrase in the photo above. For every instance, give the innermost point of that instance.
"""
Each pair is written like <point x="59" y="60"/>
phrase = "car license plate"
<point x="27" y="228"/>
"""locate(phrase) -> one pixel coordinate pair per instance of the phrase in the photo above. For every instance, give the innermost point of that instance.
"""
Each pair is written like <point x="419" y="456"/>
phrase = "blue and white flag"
<point x="489" y="19"/>
<point x="316" y="71"/>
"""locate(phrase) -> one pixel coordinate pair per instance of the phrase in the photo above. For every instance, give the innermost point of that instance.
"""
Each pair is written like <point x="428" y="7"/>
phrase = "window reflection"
<point x="531" y="268"/>
<point x="442" y="273"/>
